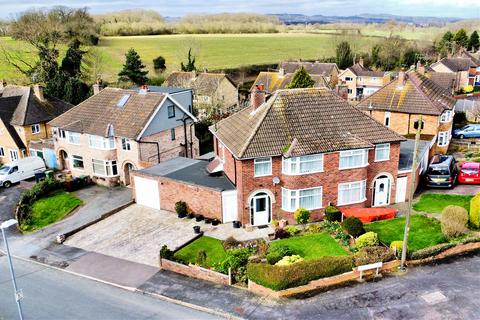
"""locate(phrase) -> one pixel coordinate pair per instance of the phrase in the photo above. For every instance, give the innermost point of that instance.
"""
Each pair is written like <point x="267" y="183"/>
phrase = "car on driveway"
<point x="469" y="173"/>
<point x="468" y="131"/>
<point x="442" y="172"/>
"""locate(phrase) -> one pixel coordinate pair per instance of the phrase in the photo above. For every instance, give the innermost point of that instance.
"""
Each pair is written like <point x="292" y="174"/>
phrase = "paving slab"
<point x="113" y="270"/>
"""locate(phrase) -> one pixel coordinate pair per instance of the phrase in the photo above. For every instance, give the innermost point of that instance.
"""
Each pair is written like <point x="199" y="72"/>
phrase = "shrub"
<point x="201" y="258"/>
<point x="454" y="221"/>
<point x="275" y="254"/>
<point x="181" y="207"/>
<point x="281" y="233"/>
<point x="288" y="260"/>
<point x="333" y="214"/>
<point x="368" y="239"/>
<point x="159" y="64"/>
<point x="297" y="274"/>
<point x="314" y="228"/>
<point x="353" y="226"/>
<point x="475" y="211"/>
<point x="431" y="251"/>
<point x="373" y="254"/>
<point x="230" y="243"/>
<point x="397" y="247"/>
<point x="166" y="253"/>
<point x="236" y="260"/>
<point x="292" y="230"/>
<point x="302" y="215"/>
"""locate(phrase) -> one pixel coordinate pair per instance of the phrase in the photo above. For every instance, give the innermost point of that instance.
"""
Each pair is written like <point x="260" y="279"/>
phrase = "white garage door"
<point x="146" y="193"/>
<point x="229" y="206"/>
<point x="401" y="189"/>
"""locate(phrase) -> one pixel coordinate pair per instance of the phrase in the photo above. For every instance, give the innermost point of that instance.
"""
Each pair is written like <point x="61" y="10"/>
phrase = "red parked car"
<point x="469" y="173"/>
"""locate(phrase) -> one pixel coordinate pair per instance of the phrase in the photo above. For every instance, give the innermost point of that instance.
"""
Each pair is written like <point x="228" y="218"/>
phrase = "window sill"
<point x="301" y="174"/>
<point x="382" y="160"/>
<point x="364" y="166"/>
<point x="264" y="175"/>
<point x="286" y="210"/>
<point x="350" y="203"/>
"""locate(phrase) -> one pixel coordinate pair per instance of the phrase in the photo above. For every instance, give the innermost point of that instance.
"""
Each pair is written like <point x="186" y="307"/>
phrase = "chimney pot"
<point x="38" y="91"/>
<point x="401" y="77"/>
<point x="281" y="72"/>
<point x="97" y="87"/>
<point x="420" y="67"/>
<point x="257" y="96"/>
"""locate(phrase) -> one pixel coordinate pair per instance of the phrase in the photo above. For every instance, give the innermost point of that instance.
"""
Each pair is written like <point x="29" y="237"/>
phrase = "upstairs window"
<point x="443" y="139"/>
<point x="73" y="137"/>
<point x="382" y="152"/>
<point x="2" y="152"/>
<point x="171" y="111"/>
<point x="348" y="78"/>
<point x="263" y="167"/>
<point x="386" y="120"/>
<point x="353" y="159"/>
<point x="126" y="144"/>
<point x="62" y="134"/>
<point x="303" y="164"/>
<point x="446" y="116"/>
<point x="97" y="142"/>
<point x="35" y="128"/>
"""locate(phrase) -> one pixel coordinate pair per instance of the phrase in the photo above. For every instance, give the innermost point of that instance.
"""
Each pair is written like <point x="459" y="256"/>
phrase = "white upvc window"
<point x="446" y="116"/>
<point x="77" y="162"/>
<point x="352" y="192"/>
<point x="98" y="142"/>
<point x="386" y="119"/>
<point x="2" y="152"/>
<point x="262" y="167"/>
<point x="35" y="128"/>
<point x="62" y="134"/>
<point x="443" y="138"/>
<point x="382" y="152"/>
<point x="73" y="137"/>
<point x="303" y="164"/>
<point x="105" y="168"/>
<point x="353" y="159"/>
<point x="13" y="154"/>
<point x="309" y="199"/>
<point x="126" y="144"/>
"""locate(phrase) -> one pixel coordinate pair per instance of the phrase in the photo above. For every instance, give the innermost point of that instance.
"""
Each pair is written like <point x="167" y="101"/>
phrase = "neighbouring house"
<point x="116" y="131"/>
<point x="465" y="68"/>
<point x="212" y="92"/>
<point x="362" y="81"/>
<point x="400" y="104"/>
<point x="327" y="70"/>
<point x="24" y="115"/>
<point x="273" y="81"/>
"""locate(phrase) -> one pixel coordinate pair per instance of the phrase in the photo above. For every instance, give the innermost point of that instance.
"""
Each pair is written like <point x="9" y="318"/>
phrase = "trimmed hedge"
<point x="353" y="226"/>
<point x="431" y="251"/>
<point x="297" y="274"/>
<point x="373" y="254"/>
<point x="454" y="221"/>
<point x="475" y="211"/>
<point x="333" y="214"/>
<point x="368" y="239"/>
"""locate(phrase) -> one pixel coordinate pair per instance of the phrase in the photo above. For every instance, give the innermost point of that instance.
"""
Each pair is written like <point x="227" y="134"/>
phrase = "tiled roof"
<point x="318" y="119"/>
<point x="361" y="71"/>
<point x="274" y="81"/>
<point x="445" y="80"/>
<point x="313" y="68"/>
<point x="475" y="57"/>
<point x="417" y="95"/>
<point x="30" y="109"/>
<point x="202" y="83"/>
<point x="94" y="115"/>
<point x="8" y="105"/>
<point x="458" y="64"/>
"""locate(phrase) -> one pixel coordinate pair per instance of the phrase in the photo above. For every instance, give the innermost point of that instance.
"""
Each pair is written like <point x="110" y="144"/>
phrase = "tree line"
<point x="451" y="43"/>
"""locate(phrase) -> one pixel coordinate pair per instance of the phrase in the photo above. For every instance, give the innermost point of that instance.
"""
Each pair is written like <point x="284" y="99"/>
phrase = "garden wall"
<point x="318" y="285"/>
<point x="194" y="271"/>
<point x="454" y="251"/>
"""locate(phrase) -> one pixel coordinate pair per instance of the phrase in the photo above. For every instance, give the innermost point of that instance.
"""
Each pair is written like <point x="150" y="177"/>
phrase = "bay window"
<point x="382" y="152"/>
<point x="309" y="199"/>
<point x="353" y="159"/>
<point x="105" y="168"/>
<point x="443" y="139"/>
<point x="98" y="142"/>
<point x="303" y="164"/>
<point x="352" y="192"/>
<point x="446" y="116"/>
<point x="73" y="137"/>
<point x="262" y="167"/>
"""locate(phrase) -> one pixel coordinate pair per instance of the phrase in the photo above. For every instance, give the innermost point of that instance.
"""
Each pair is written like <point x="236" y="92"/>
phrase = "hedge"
<point x="284" y="277"/>
<point x="431" y="251"/>
<point x="475" y="211"/>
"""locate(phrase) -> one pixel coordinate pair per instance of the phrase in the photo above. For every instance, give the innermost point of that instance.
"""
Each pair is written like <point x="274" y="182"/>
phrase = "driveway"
<point x="10" y="197"/>
<point x="462" y="189"/>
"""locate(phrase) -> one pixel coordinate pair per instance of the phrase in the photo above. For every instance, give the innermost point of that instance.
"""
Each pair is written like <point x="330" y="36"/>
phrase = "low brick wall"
<point x="319" y="285"/>
<point x="194" y="271"/>
<point x="457" y="250"/>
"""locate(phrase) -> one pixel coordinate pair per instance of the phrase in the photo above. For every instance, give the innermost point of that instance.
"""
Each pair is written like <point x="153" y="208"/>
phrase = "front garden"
<point x="435" y="203"/>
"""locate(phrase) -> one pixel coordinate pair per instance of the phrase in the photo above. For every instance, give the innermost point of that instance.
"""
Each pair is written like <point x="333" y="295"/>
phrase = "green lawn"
<point x="435" y="203"/>
<point x="49" y="210"/>
<point x="213" y="248"/>
<point x="213" y="51"/>
<point x="312" y="246"/>
<point x="424" y="232"/>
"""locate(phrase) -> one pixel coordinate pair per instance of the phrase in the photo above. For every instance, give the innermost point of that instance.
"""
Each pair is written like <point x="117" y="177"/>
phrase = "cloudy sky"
<point x="437" y="8"/>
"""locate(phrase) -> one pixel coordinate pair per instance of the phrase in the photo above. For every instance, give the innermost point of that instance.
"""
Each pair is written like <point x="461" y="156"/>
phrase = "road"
<point x="53" y="294"/>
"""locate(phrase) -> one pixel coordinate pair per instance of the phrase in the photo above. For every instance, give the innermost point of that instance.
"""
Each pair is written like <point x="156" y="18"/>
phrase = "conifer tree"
<point x="133" y="69"/>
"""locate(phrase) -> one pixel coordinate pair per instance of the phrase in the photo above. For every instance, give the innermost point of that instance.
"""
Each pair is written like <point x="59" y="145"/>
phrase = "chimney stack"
<point x="3" y="84"/>
<point x="38" y="91"/>
<point x="360" y="61"/>
<point x="97" y="87"/>
<point x="420" y="67"/>
<point x="341" y="89"/>
<point x="281" y="72"/>
<point x="401" y="77"/>
<point x="257" y="97"/>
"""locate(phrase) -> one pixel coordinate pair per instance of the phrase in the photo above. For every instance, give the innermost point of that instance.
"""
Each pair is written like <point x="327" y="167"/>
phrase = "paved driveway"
<point x="9" y="199"/>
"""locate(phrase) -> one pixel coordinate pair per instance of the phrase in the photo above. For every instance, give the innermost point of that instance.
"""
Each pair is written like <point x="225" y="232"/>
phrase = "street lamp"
<point x="18" y="293"/>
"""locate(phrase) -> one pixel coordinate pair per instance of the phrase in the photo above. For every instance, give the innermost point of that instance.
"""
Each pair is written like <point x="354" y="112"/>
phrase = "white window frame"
<point x="15" y="153"/>
<point x="35" y="128"/>
<point x="382" y="146"/>
<point x="296" y="162"/>
<point x="348" y="78"/>
<point x="350" y="153"/>
<point x="363" y="188"/>
<point x="101" y="143"/>
<point x="106" y="164"/>
<point x="72" y="137"/>
<point x="446" y="116"/>
<point x="2" y="152"/>
<point x="262" y="160"/>
<point x="62" y="134"/>
<point x="447" y="140"/>
<point x="294" y="194"/>
<point x="387" y="116"/>
<point x="126" y="144"/>
<point x="77" y="157"/>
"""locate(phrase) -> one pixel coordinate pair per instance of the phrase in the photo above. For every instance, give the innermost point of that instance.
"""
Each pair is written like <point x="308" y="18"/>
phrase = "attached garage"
<point x="147" y="192"/>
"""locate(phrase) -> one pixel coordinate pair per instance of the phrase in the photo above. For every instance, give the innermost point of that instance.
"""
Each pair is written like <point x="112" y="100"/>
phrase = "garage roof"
<point x="189" y="171"/>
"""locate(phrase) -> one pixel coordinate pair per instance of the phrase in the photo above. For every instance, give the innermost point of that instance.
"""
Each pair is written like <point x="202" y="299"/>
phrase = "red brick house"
<point x="304" y="148"/>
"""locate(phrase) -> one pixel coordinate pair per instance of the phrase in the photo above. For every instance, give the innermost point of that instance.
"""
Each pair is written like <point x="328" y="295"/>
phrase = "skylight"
<point x="121" y="103"/>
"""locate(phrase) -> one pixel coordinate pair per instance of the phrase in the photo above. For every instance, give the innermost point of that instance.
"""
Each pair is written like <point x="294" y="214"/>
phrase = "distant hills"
<point x="288" y="18"/>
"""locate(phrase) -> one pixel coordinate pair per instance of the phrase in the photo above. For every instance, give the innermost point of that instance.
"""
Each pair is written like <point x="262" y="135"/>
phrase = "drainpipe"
<point x="191" y="139"/>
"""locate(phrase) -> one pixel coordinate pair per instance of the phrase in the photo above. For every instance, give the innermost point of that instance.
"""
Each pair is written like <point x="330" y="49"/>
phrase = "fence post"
<point x="230" y="280"/>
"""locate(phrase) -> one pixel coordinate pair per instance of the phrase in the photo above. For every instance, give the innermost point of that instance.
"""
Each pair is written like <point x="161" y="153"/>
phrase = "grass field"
<point x="213" y="248"/>
<point x="214" y="51"/>
<point x="312" y="246"/>
<point x="424" y="232"/>
<point x="435" y="203"/>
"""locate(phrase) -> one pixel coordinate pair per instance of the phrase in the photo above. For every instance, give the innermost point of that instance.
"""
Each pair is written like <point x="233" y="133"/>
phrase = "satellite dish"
<point x="276" y="180"/>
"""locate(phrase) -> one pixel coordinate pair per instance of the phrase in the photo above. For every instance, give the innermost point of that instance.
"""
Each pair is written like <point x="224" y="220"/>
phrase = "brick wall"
<point x="194" y="271"/>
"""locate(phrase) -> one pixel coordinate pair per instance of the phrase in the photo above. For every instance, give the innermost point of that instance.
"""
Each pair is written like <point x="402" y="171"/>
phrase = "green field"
<point x="214" y="51"/>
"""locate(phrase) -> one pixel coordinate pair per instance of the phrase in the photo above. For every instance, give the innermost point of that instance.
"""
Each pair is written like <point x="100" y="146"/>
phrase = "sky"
<point x="175" y="8"/>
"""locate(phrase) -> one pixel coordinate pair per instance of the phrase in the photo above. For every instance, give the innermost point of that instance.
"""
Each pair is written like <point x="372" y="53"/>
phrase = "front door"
<point x="382" y="192"/>
<point x="261" y="210"/>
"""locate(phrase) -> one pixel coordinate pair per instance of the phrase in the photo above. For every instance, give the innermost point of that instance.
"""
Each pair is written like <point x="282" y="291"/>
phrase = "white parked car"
<point x="20" y="169"/>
